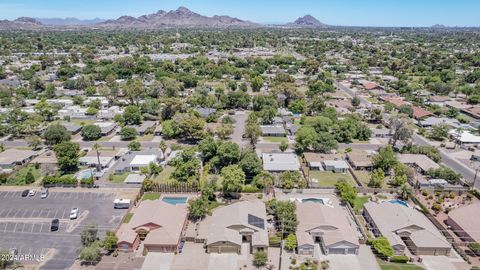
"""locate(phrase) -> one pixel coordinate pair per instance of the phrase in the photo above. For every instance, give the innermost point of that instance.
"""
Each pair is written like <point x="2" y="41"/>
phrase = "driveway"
<point x="223" y="261"/>
<point x="365" y="260"/>
<point x="158" y="261"/>
<point x="240" y="117"/>
<point x="437" y="263"/>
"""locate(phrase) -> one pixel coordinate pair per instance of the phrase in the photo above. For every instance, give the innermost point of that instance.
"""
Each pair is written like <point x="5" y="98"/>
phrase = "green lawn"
<point x="151" y="196"/>
<point x="329" y="179"/>
<point x="105" y="138"/>
<point x="398" y="266"/>
<point x="83" y="122"/>
<point x="359" y="202"/>
<point x="213" y="205"/>
<point x="145" y="138"/>
<point x="165" y="176"/>
<point x="18" y="178"/>
<point x="276" y="139"/>
<point x="127" y="218"/>
<point x="363" y="177"/>
<point x="118" y="178"/>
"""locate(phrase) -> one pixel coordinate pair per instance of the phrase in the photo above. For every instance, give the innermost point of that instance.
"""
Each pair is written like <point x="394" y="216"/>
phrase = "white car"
<point x="74" y="213"/>
<point x="44" y="193"/>
<point x="31" y="193"/>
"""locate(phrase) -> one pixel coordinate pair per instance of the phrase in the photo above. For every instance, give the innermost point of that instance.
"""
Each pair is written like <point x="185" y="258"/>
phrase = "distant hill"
<point x="307" y="21"/>
<point x="182" y="17"/>
<point x="68" y="21"/>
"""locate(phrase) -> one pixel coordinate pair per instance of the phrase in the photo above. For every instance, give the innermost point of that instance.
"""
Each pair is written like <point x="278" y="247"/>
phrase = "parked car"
<point x="74" y="213"/>
<point x="31" y="193"/>
<point x="25" y="193"/>
<point x="55" y="224"/>
<point x="44" y="193"/>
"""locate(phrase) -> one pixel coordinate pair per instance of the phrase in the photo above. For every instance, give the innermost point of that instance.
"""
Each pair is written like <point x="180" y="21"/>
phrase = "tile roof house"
<point x="405" y="227"/>
<point x="155" y="223"/>
<point x="230" y="226"/>
<point x="420" y="113"/>
<point x="369" y="85"/>
<point x="420" y="162"/>
<point x="280" y="162"/>
<point x="465" y="222"/>
<point x="326" y="226"/>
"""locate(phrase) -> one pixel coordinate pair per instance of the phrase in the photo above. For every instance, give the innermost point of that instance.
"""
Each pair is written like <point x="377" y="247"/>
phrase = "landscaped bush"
<point x="87" y="181"/>
<point x="64" y="180"/>
<point x="382" y="247"/>
<point x="249" y="189"/>
<point x="475" y="247"/>
<point x="399" y="259"/>
<point x="436" y="207"/>
<point x="274" y="241"/>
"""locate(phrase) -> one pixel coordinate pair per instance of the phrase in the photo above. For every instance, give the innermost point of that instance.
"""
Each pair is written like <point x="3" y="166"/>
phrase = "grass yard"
<point x="118" y="178"/>
<point x="329" y="179"/>
<point x="359" y="202"/>
<point x="165" y="176"/>
<point x="145" y="138"/>
<point x="82" y="122"/>
<point x="213" y="205"/>
<point x="363" y="177"/>
<point x="127" y="218"/>
<point x="276" y="139"/>
<point x="18" y="178"/>
<point x="105" y="138"/>
<point x="151" y="196"/>
<point x="399" y="266"/>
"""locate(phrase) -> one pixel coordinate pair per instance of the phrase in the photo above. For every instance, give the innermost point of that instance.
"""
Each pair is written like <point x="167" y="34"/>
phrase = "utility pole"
<point x="281" y="245"/>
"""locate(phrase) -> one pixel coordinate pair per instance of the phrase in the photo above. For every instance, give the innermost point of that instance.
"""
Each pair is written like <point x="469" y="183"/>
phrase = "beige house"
<point x="465" y="223"/>
<point x="327" y="227"/>
<point x="156" y="224"/>
<point x="405" y="227"/>
<point x="231" y="226"/>
<point x="11" y="158"/>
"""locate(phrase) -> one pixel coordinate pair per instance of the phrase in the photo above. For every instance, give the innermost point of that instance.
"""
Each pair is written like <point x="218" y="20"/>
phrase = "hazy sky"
<point x="335" y="12"/>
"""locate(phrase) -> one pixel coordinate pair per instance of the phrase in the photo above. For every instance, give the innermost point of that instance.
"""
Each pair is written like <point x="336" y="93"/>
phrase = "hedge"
<point x="64" y="180"/>
<point x="382" y="247"/>
<point x="475" y="247"/>
<point x="399" y="259"/>
<point x="250" y="189"/>
<point x="274" y="241"/>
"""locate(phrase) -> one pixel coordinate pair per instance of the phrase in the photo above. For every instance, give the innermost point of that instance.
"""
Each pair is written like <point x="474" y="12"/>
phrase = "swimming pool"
<point x="397" y="201"/>
<point x="175" y="200"/>
<point x="315" y="200"/>
<point x="85" y="174"/>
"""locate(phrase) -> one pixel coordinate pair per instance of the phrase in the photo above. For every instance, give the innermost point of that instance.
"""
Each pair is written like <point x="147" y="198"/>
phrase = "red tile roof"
<point x="420" y="112"/>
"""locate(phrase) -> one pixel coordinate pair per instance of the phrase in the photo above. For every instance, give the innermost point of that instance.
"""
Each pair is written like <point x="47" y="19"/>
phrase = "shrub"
<point x="91" y="132"/>
<point x="274" y="241"/>
<point x="399" y="259"/>
<point x="382" y="247"/>
<point x="260" y="258"/>
<point x="87" y="181"/>
<point x="475" y="247"/>
<point x="249" y="189"/>
<point x="291" y="242"/>
<point x="437" y="207"/>
<point x="65" y="180"/>
<point x="128" y="134"/>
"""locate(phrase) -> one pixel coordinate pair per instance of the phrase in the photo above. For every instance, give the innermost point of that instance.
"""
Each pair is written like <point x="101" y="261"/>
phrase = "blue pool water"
<point x="403" y="203"/>
<point x="86" y="174"/>
<point x="315" y="200"/>
<point x="175" y="200"/>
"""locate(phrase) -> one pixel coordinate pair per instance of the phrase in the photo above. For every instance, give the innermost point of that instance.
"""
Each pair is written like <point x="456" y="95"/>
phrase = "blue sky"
<point x="335" y="12"/>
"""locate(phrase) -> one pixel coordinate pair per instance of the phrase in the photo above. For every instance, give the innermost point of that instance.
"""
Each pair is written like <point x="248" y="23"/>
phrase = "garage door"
<point x="336" y="251"/>
<point x="352" y="251"/>
<point x="222" y="249"/>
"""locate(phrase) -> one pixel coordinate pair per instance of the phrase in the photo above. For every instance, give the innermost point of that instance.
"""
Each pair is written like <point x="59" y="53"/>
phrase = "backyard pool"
<point x="315" y="200"/>
<point x="175" y="200"/>
<point x="403" y="203"/>
<point x="84" y="174"/>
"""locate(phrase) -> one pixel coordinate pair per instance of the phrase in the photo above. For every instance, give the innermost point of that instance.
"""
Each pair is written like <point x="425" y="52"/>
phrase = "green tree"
<point x="89" y="235"/>
<point x="29" y="178"/>
<point x="401" y="131"/>
<point x="132" y="115"/>
<point x="227" y="153"/>
<point x="439" y="132"/>
<point x="250" y="164"/>
<point x="197" y="208"/>
<point x="283" y="146"/>
<point x="405" y="191"/>
<point x="109" y="243"/>
<point x="128" y="133"/>
<point x="355" y="101"/>
<point x="263" y="180"/>
<point x="190" y="126"/>
<point x="348" y="193"/>
<point x="134" y="146"/>
<point x="305" y="138"/>
<point x="233" y="179"/>
<point x="97" y="147"/>
<point x="91" y="132"/>
<point x="256" y="83"/>
<point x="260" y="258"/>
<point x="291" y="242"/>
<point x="90" y="254"/>
<point x="67" y="154"/>
<point x="34" y="141"/>
<point x="55" y="134"/>
<point x="385" y="159"/>
<point x="382" y="247"/>
<point x="292" y="179"/>
<point x="252" y="129"/>
<point x="377" y="178"/>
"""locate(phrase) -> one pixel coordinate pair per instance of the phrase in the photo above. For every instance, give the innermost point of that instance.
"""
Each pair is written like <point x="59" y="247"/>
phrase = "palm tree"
<point x="405" y="191"/>
<point x="96" y="147"/>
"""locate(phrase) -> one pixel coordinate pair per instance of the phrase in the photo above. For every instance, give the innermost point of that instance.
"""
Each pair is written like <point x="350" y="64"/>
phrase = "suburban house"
<point x="11" y="158"/>
<point x="325" y="226"/>
<point x="465" y="137"/>
<point x="314" y="161"/>
<point x="280" y="162"/>
<point x="74" y="112"/>
<point x="72" y="128"/>
<point x="360" y="160"/>
<point x="107" y="128"/>
<point x="336" y="166"/>
<point x="435" y="121"/>
<point x="405" y="227"/>
<point x="107" y="158"/>
<point x="145" y="127"/>
<point x="109" y="113"/>
<point x="149" y="225"/>
<point x="229" y="227"/>
<point x="273" y="131"/>
<point x="369" y="85"/>
<point x="205" y="112"/>
<point x="421" y="163"/>
<point x="420" y="113"/>
<point x="133" y="161"/>
<point x="381" y="133"/>
<point x="465" y="223"/>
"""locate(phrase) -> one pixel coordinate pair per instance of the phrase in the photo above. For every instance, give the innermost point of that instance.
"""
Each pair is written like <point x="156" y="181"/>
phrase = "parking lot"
<point x="25" y="224"/>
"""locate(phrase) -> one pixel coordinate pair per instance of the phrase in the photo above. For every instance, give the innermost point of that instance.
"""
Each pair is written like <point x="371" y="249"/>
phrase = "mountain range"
<point x="181" y="17"/>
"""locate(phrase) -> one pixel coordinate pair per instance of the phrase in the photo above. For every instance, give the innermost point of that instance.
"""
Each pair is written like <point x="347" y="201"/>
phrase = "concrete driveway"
<point x="223" y="261"/>
<point x="158" y="261"/>
<point x="437" y="263"/>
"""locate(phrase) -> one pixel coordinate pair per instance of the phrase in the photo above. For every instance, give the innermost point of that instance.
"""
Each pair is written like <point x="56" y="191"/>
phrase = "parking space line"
<point x="15" y="228"/>
<point x="33" y="226"/>
<point x="8" y="214"/>
<point x="41" y="227"/>
<point x="83" y="198"/>
<point x="4" y="194"/>
<point x="56" y="212"/>
<point x="63" y="214"/>
<point x="1" y="213"/>
<point x="23" y="228"/>
<point x="25" y="212"/>
<point x="33" y="211"/>
<point x="47" y="213"/>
